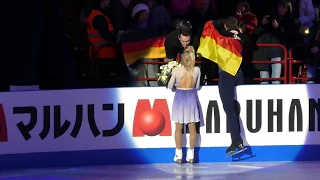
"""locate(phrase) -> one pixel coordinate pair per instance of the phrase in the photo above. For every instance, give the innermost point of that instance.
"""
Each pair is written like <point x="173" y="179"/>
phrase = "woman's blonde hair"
<point x="188" y="58"/>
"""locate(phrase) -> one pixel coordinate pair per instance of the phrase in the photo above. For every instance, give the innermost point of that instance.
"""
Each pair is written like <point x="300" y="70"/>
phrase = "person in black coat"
<point x="276" y="28"/>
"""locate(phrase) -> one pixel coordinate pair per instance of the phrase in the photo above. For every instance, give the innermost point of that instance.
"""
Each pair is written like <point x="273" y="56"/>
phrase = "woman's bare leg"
<point x="193" y="135"/>
<point x="178" y="139"/>
<point x="178" y="135"/>
<point x="193" y="138"/>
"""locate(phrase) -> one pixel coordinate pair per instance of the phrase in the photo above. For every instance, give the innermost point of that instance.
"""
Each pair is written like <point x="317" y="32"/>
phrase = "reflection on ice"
<point x="248" y="171"/>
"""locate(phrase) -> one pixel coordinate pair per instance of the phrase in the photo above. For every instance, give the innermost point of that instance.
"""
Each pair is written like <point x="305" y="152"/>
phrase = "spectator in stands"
<point x="159" y="16"/>
<point x="103" y="39"/>
<point x="244" y="14"/>
<point x="140" y="14"/>
<point x="177" y="40"/>
<point x="316" y="5"/>
<point x="313" y="55"/>
<point x="276" y="28"/>
<point x="303" y="13"/>
<point x="121" y="14"/>
<point x="250" y="22"/>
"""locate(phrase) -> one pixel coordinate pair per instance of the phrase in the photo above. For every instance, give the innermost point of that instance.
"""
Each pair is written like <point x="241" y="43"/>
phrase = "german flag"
<point x="224" y="51"/>
<point x="143" y="43"/>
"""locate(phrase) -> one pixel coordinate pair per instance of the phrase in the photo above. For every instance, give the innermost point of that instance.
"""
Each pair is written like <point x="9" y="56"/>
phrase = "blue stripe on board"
<point x="155" y="155"/>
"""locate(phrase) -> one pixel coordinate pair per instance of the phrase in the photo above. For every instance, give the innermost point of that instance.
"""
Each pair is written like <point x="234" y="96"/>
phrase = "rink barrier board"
<point x="109" y="126"/>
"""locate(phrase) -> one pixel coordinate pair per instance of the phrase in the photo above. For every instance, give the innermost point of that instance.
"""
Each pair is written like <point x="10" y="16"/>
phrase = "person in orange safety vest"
<point x="101" y="32"/>
<point x="109" y="70"/>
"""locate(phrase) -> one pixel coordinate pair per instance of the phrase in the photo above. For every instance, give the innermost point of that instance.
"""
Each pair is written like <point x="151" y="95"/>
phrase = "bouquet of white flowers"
<point x="165" y="74"/>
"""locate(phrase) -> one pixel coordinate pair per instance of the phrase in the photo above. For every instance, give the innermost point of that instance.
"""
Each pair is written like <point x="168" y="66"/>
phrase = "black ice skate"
<point x="235" y="149"/>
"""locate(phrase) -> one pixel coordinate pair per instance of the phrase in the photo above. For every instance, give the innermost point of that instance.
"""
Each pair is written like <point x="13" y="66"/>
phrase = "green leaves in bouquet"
<point x="163" y="79"/>
<point x="165" y="74"/>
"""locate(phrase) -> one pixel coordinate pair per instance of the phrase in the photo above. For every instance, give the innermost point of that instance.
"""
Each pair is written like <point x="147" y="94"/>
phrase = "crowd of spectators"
<point x="285" y="22"/>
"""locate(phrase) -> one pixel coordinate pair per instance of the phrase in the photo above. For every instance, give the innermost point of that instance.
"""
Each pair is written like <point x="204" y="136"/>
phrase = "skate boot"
<point x="178" y="156"/>
<point x="235" y="149"/>
<point x="190" y="156"/>
<point x="231" y="150"/>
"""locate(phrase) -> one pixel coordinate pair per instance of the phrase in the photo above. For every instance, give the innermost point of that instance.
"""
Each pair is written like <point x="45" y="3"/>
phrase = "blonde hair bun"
<point x="188" y="58"/>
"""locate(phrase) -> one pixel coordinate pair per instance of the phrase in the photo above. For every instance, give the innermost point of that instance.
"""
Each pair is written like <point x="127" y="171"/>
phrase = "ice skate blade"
<point x="232" y="153"/>
<point x="190" y="161"/>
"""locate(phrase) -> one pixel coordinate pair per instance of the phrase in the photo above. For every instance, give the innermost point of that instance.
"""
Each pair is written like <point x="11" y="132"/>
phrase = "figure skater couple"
<point x="186" y="109"/>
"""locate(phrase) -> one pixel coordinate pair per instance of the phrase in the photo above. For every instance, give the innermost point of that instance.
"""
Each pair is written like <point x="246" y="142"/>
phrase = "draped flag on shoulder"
<point x="225" y="51"/>
<point x="143" y="43"/>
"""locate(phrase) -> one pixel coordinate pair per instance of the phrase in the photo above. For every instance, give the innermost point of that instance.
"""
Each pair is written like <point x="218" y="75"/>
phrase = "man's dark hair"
<point x="185" y="31"/>
<point x="246" y="6"/>
<point x="231" y="23"/>
<point x="181" y="23"/>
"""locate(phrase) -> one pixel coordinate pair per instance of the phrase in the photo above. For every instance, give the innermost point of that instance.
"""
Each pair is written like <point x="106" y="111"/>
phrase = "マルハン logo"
<point x="152" y="121"/>
<point x="3" y="126"/>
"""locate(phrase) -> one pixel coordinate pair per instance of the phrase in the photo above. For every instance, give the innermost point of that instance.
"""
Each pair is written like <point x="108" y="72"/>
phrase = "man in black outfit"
<point x="177" y="40"/>
<point x="227" y="83"/>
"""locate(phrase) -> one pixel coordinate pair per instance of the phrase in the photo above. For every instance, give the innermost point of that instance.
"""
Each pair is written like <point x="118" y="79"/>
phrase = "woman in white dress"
<point x="186" y="109"/>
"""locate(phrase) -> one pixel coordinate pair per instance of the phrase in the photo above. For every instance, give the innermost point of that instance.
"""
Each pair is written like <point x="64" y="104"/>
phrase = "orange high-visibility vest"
<point x="109" y="49"/>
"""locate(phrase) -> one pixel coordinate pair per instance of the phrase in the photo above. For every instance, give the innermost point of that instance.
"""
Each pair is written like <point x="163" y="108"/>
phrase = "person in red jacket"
<point x="243" y="14"/>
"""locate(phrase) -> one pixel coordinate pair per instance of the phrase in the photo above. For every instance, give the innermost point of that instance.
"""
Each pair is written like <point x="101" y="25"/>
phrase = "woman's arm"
<point x="198" y="78"/>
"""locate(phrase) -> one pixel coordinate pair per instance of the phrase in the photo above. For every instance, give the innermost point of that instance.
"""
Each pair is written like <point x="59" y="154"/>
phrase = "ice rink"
<point x="234" y="170"/>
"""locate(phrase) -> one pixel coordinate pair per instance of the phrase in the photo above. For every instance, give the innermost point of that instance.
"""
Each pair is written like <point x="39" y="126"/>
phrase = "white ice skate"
<point x="190" y="156"/>
<point x="178" y="156"/>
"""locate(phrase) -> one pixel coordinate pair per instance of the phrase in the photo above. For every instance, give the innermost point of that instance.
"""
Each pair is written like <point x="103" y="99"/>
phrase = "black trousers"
<point x="227" y="84"/>
<point x="209" y="69"/>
